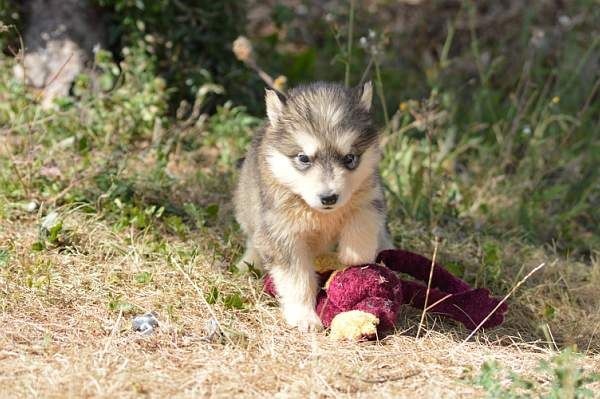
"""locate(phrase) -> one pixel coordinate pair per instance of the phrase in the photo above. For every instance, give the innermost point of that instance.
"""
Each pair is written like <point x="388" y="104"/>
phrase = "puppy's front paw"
<point x="357" y="255"/>
<point x="302" y="317"/>
<point x="251" y="257"/>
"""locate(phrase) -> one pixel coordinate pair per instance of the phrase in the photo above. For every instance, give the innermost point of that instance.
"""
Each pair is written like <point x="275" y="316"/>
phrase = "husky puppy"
<point x="310" y="182"/>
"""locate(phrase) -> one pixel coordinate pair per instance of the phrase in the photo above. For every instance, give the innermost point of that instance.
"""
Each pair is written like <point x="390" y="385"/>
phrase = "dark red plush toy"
<point x="362" y="302"/>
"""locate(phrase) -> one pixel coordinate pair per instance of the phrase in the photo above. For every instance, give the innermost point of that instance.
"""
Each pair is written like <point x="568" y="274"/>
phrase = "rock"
<point x="65" y="143"/>
<point x="50" y="220"/>
<point x="212" y="330"/>
<point x="31" y="206"/>
<point x="145" y="323"/>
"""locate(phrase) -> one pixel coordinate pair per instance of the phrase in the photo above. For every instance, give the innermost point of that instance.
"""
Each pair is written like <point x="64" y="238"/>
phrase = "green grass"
<point x="562" y="377"/>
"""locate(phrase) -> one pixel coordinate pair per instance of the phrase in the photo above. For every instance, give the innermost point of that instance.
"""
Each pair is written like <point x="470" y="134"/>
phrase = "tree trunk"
<point x="60" y="36"/>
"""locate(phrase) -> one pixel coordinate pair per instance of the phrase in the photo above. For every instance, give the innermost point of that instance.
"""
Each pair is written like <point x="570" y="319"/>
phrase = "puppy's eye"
<point x="303" y="159"/>
<point x="350" y="161"/>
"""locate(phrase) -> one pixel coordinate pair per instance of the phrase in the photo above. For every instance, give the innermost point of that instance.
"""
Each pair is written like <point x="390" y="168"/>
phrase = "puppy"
<point x="310" y="183"/>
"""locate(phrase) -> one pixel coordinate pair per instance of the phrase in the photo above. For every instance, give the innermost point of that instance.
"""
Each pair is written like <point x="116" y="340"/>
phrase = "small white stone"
<point x="50" y="220"/>
<point x="564" y="20"/>
<point x="65" y="143"/>
<point x="31" y="206"/>
<point x="145" y="323"/>
<point x="212" y="329"/>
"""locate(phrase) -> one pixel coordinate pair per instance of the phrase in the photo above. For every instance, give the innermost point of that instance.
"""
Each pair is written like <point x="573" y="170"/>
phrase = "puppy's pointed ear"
<point x="275" y="102"/>
<point x="365" y="95"/>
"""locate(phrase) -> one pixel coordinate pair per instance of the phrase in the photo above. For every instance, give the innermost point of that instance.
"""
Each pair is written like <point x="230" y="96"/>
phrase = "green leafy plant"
<point x="4" y="257"/>
<point x="117" y="304"/>
<point x="565" y="380"/>
<point x="143" y="277"/>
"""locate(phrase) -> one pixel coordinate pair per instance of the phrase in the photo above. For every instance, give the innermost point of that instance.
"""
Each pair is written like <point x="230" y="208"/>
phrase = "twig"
<point x="438" y="301"/>
<point x="587" y="349"/>
<point x="349" y="48"/>
<point x="243" y="50"/>
<point x="430" y="172"/>
<point x="381" y="94"/>
<point x="13" y="164"/>
<point x="56" y="75"/>
<point x="113" y="332"/>
<point x="512" y="291"/>
<point x="366" y="72"/>
<point x="64" y="191"/>
<point x="21" y="57"/>
<point x="201" y="295"/>
<point x="262" y="74"/>
<point x="435" y="248"/>
<point x="386" y="379"/>
<point x="552" y="337"/>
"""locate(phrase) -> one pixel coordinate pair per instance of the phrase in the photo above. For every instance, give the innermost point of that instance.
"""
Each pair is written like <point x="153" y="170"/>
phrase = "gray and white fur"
<point x="310" y="183"/>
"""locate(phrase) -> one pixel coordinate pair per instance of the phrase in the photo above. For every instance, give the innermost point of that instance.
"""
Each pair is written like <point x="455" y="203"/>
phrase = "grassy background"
<point x="490" y="113"/>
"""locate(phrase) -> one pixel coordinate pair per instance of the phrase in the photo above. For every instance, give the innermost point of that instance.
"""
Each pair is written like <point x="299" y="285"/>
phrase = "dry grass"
<point x="66" y="311"/>
<point x="60" y="337"/>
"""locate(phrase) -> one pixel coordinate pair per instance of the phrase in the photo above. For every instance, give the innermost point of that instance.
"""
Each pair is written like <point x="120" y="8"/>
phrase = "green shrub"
<point x="183" y="41"/>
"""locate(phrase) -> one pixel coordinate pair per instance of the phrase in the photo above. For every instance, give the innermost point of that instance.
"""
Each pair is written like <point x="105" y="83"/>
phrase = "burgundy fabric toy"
<point x="362" y="302"/>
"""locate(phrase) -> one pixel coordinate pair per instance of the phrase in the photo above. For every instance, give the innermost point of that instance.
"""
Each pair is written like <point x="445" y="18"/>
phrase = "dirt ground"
<point x="66" y="319"/>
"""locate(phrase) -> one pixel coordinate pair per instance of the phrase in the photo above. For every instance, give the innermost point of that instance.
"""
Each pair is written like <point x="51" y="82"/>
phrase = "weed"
<point x="117" y="304"/>
<point x="563" y="378"/>
<point x="4" y="258"/>
<point x="143" y="277"/>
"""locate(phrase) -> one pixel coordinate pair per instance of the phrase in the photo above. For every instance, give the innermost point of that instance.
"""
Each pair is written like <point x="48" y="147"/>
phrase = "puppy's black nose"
<point x="329" y="199"/>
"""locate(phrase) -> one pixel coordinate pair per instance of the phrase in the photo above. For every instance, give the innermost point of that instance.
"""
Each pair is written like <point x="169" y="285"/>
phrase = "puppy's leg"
<point x="296" y="283"/>
<point x="251" y="257"/>
<point x="360" y="237"/>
